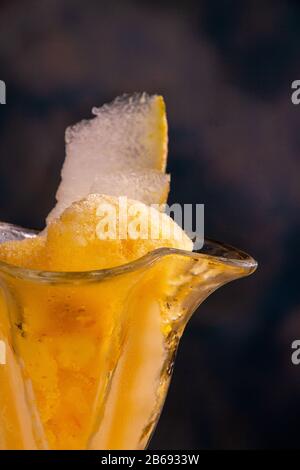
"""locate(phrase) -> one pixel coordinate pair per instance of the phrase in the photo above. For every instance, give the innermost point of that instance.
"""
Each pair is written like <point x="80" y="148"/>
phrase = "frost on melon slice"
<point x="147" y="186"/>
<point x="122" y="151"/>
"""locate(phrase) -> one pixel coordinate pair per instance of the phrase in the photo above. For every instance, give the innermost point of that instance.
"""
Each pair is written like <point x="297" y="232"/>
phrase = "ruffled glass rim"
<point x="212" y="250"/>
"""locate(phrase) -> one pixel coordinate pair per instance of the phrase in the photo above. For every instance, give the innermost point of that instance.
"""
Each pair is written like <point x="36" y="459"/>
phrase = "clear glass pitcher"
<point x="89" y="355"/>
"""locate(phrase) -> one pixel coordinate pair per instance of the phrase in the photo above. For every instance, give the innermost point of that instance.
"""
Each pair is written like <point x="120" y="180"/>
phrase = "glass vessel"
<point x="89" y="355"/>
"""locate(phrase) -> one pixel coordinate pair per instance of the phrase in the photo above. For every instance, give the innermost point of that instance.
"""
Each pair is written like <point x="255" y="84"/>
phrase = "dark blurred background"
<point x="225" y="69"/>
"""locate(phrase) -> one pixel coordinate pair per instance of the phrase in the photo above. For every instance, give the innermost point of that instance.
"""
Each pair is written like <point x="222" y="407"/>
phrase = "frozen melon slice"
<point x="122" y="151"/>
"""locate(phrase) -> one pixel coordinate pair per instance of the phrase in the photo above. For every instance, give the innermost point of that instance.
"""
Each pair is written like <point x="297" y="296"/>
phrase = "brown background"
<point x="225" y="69"/>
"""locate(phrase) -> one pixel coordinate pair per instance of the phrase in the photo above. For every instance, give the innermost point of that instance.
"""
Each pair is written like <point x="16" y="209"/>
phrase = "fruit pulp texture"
<point x="68" y="339"/>
<point x="91" y="357"/>
<point x="91" y="353"/>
